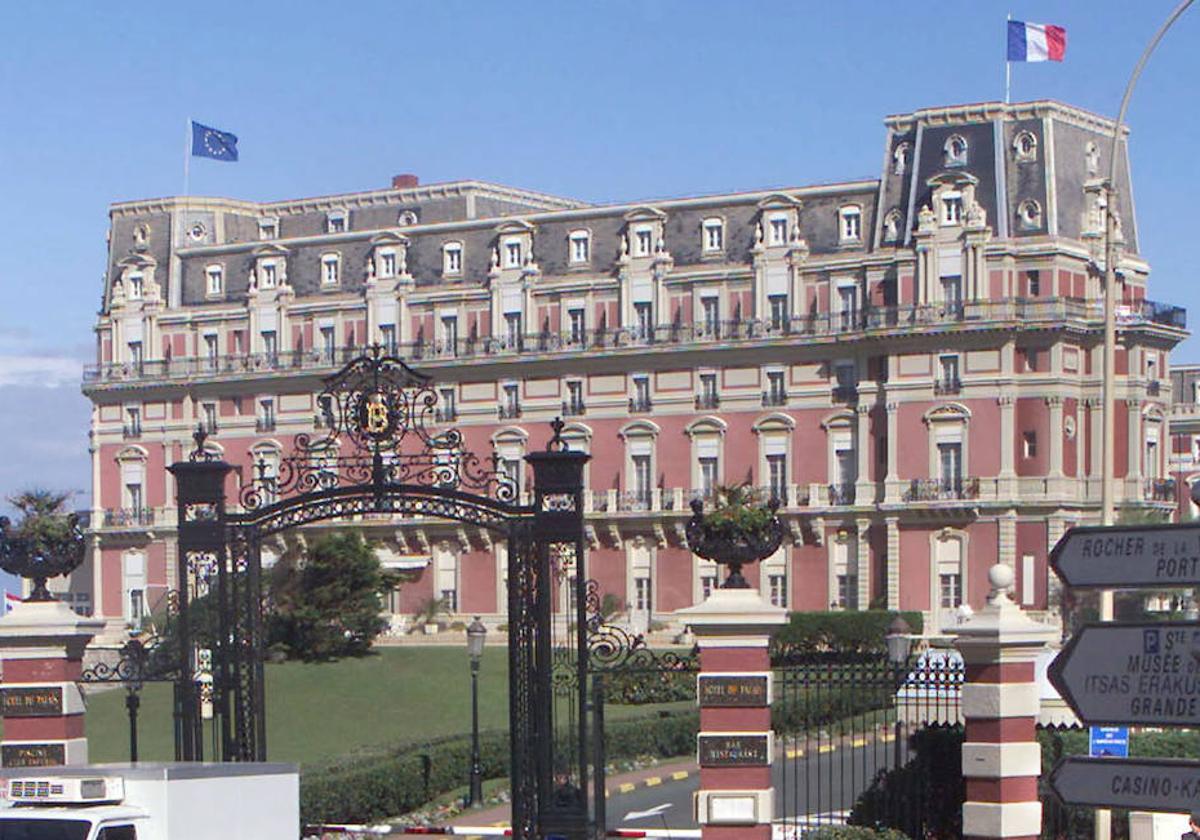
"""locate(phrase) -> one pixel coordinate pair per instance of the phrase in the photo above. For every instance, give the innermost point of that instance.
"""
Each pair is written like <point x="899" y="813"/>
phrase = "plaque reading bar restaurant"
<point x="748" y="690"/>
<point x="33" y="755"/>
<point x="35" y="701"/>
<point x="734" y="750"/>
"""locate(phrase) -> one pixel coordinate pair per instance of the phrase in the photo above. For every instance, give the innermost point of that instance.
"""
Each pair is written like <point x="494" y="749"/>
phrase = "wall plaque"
<point x="33" y="755"/>
<point x="748" y="690"/>
<point x="734" y="750"/>
<point x="32" y="701"/>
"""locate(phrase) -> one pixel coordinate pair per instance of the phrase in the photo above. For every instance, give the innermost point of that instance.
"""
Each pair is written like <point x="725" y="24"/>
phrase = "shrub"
<point x="854" y="832"/>
<point x="848" y="632"/>
<point x="634" y="688"/>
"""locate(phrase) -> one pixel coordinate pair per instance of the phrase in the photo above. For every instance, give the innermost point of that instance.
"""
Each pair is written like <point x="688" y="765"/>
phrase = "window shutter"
<point x="268" y="320"/>
<point x="640" y="290"/>
<point x="777" y="280"/>
<point x="950" y="262"/>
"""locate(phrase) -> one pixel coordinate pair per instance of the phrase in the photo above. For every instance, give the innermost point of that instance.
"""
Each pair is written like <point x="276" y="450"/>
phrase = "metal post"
<point x="599" y="795"/>
<point x="476" y="770"/>
<point x="132" y="701"/>
<point x="1103" y="825"/>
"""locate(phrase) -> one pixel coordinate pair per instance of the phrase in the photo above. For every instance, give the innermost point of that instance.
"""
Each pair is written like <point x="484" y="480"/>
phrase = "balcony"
<point x="1159" y="489"/>
<point x="941" y="489"/>
<point x="210" y="427"/>
<point x="832" y="325"/>
<point x="635" y="500"/>
<point x="1153" y="388"/>
<point x="131" y="431"/>
<point x="573" y="408"/>
<point x="509" y="412"/>
<point x="774" y="398"/>
<point x="847" y="394"/>
<point x="841" y="494"/>
<point x="946" y="387"/>
<point x="264" y="424"/>
<point x="445" y="414"/>
<point x="708" y="401"/>
<point x="640" y="405"/>
<point x="128" y="517"/>
<point x="768" y="492"/>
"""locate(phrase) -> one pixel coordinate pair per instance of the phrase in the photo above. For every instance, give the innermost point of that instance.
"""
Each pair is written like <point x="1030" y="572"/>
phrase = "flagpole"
<point x="1007" y="64"/>
<point x="187" y="154"/>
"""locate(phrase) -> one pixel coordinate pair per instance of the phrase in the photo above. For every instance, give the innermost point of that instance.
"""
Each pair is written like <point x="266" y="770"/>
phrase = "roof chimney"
<point x="407" y="181"/>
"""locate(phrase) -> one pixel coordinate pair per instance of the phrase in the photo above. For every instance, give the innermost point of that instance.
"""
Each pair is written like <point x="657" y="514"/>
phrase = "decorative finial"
<point x="1001" y="577"/>
<point x="557" y="444"/>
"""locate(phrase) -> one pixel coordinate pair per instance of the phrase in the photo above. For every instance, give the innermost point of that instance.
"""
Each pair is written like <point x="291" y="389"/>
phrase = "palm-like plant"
<point x="46" y="543"/>
<point x="739" y="529"/>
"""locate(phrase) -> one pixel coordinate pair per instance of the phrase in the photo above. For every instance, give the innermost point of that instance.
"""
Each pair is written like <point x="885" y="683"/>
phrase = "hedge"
<point x="850" y="631"/>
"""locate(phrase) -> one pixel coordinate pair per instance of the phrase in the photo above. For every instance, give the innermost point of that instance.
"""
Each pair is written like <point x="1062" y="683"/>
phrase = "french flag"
<point x="1036" y="41"/>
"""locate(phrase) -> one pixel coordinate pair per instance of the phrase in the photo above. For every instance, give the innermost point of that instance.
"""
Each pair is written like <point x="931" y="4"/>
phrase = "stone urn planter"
<point x="46" y="544"/>
<point x="738" y="529"/>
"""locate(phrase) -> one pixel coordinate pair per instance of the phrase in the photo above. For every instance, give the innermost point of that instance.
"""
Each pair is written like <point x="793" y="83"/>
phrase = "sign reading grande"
<point x="1137" y="673"/>
<point x="33" y="755"/>
<point x="727" y="690"/>
<point x="1129" y="556"/>
<point x="734" y="750"/>
<point x="1149" y="784"/>
<point x="32" y="701"/>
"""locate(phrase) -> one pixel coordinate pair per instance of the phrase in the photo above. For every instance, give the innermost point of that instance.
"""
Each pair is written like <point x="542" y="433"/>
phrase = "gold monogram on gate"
<point x="376" y="420"/>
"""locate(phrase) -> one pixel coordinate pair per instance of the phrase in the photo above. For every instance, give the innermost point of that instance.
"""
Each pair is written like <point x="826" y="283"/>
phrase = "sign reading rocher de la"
<point x="1136" y="556"/>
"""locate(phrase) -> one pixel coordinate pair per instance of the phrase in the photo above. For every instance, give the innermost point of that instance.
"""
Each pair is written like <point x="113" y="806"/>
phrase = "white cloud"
<point x="40" y="371"/>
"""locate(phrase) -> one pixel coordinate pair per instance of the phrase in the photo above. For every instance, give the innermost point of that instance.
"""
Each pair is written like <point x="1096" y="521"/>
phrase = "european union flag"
<point x="213" y="143"/>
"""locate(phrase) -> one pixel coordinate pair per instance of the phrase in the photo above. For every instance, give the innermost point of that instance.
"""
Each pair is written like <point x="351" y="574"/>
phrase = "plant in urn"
<point x="739" y="529"/>
<point x="47" y="543"/>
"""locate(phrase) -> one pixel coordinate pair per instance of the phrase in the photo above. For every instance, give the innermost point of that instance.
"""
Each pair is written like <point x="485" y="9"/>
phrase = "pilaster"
<point x="893" y="563"/>
<point x="1008" y="539"/>
<point x="1055" y="403"/>
<point x="863" y="543"/>
<point x="1134" y="447"/>
<point x="864" y="486"/>
<point x="892" y="487"/>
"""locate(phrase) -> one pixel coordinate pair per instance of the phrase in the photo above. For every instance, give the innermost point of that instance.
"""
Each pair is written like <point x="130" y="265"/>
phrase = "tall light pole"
<point x="476" y="635"/>
<point x="1103" y="825"/>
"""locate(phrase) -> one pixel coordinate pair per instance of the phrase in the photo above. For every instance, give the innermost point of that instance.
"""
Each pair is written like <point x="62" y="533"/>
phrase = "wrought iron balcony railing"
<point x="131" y="430"/>
<point x="774" y="398"/>
<point x="509" y="412"/>
<point x="841" y="494"/>
<point x="573" y="408"/>
<point x="943" y="387"/>
<point x="867" y="321"/>
<point x="640" y="405"/>
<point x="708" y="401"/>
<point x="445" y="414"/>
<point x="128" y="517"/>
<point x="264" y="424"/>
<point x="1159" y="489"/>
<point x="940" y="489"/>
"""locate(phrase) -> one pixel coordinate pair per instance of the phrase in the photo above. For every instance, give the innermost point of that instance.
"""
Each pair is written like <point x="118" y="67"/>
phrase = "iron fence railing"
<point x="939" y="489"/>
<point x="127" y="517"/>
<point x="980" y="313"/>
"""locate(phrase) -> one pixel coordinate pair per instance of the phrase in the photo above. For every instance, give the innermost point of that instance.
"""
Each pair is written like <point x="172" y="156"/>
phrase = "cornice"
<point x="988" y="111"/>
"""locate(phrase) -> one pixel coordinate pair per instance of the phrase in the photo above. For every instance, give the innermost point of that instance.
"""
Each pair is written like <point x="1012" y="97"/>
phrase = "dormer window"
<point x="900" y="158"/>
<point x="387" y="263"/>
<point x="891" y="226"/>
<point x="335" y="221"/>
<point x="580" y="247"/>
<point x="952" y="205"/>
<point x="1029" y="215"/>
<point x="1025" y="147"/>
<point x="850" y="227"/>
<point x="214" y="280"/>
<point x="330" y="269"/>
<point x="452" y="253"/>
<point x="268" y="275"/>
<point x="133" y="287"/>
<point x="778" y="227"/>
<point x="714" y="236"/>
<point x="512" y="253"/>
<point x="268" y="228"/>
<point x="955" y="151"/>
<point x="643" y="242"/>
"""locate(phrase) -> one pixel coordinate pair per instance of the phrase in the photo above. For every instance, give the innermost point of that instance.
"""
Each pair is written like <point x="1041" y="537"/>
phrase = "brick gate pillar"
<point x="41" y="645"/>
<point x="1001" y="758"/>
<point x="735" y="746"/>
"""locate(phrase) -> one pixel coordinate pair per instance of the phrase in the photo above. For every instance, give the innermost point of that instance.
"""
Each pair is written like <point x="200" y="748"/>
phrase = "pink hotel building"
<point x="910" y="363"/>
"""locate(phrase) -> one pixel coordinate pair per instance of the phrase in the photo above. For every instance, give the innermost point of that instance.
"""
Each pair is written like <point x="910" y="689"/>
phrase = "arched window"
<point x="510" y="444"/>
<point x="1025" y="147"/>
<point x="265" y="471"/>
<point x="1029" y="215"/>
<point x="708" y="469"/>
<point x="641" y="467"/>
<point x="955" y="151"/>
<point x="900" y="158"/>
<point x="891" y="226"/>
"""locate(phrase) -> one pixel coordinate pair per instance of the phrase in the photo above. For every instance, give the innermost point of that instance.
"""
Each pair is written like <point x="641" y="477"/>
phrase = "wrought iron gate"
<point x="378" y="456"/>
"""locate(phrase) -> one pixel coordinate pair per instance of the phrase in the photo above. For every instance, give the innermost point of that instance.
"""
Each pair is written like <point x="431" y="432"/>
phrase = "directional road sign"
<point x="1143" y="784"/>
<point x="1139" y="673"/>
<point x="1133" y="556"/>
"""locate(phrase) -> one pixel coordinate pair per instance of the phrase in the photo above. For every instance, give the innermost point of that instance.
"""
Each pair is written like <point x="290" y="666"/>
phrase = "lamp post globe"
<point x="476" y="636"/>
<point x="898" y="640"/>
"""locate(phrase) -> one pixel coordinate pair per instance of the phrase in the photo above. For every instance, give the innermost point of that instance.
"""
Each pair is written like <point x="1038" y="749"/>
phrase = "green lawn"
<point x="322" y="710"/>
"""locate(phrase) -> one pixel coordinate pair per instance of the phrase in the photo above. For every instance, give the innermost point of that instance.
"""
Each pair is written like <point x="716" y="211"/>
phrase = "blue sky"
<point x="604" y="101"/>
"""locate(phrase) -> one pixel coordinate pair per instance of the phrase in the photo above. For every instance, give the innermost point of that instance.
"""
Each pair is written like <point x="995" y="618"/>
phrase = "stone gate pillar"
<point x="41" y="645"/>
<point x="735" y="746"/>
<point x="1001" y="758"/>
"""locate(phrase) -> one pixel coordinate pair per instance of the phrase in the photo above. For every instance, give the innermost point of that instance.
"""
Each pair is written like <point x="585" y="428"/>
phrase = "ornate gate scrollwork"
<point x="378" y="456"/>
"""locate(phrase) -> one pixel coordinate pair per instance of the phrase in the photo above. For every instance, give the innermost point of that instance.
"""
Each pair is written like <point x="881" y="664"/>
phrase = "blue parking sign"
<point x="1109" y="742"/>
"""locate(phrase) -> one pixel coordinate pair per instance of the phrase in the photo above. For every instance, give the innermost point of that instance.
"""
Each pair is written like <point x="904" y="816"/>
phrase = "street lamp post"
<point x="476" y="635"/>
<point x="899" y="646"/>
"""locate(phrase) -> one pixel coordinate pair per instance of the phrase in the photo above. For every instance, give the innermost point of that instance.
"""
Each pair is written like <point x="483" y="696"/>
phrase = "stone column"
<point x="41" y="645"/>
<point x="1001" y="758"/>
<point x="863" y="544"/>
<point x="1055" y="404"/>
<point x="735" y="745"/>
<point x="893" y="563"/>
<point x="892" y="487"/>
<point x="864" y="491"/>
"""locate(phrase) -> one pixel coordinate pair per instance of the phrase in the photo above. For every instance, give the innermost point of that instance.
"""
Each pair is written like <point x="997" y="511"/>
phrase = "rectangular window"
<point x="575" y="317"/>
<point x="450" y="596"/>
<point x="952" y="291"/>
<point x="949" y="368"/>
<point x="512" y="401"/>
<point x="387" y="337"/>
<point x="779" y="229"/>
<point x="512" y="329"/>
<point x="1029" y="440"/>
<point x="270" y="343"/>
<point x="707" y="584"/>
<point x="266" y="415"/>
<point x="711" y="307"/>
<point x="215" y="282"/>
<point x="777" y="477"/>
<point x="847" y="591"/>
<point x="134" y="292"/>
<point x="778" y="587"/>
<point x="336" y="222"/>
<point x="708" y="391"/>
<point x="1035" y="283"/>
<point x="950" y="466"/>
<point x="133" y="422"/>
<point x="512" y="255"/>
<point x="709" y="468"/>
<point x="714" y="235"/>
<point x="329" y="270"/>
<point x="133" y="497"/>
<point x="776" y="389"/>
<point x="574" y="397"/>
<point x="268" y="229"/>
<point x="387" y="264"/>
<point x="951" y="590"/>
<point x="267" y="275"/>
<point x="328" y="347"/>
<point x="847" y="467"/>
<point x="208" y="412"/>
<point x="452" y="259"/>
<point x="450" y="334"/>
<point x="580" y="248"/>
<point x="848" y="307"/>
<point x="851" y="224"/>
<point x="779" y="311"/>
<point x="952" y="209"/>
<point x="641" y="393"/>
<point x="641" y="594"/>
<point x="447" y="410"/>
<point x="211" y="350"/>
<point x="644" y="314"/>
<point x="641" y="480"/>
<point x="645" y="242"/>
<point x="1152" y="459"/>
<point x="135" y="354"/>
